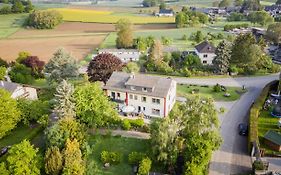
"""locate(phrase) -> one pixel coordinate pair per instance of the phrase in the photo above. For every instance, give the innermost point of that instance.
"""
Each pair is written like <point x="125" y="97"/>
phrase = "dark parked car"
<point x="4" y="150"/>
<point x="243" y="129"/>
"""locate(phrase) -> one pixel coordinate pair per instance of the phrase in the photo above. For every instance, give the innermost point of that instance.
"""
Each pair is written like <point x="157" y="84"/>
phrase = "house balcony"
<point x="117" y="100"/>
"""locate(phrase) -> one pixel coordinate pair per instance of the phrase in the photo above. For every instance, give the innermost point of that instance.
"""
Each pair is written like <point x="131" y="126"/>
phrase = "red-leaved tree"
<point x="36" y="65"/>
<point x="102" y="66"/>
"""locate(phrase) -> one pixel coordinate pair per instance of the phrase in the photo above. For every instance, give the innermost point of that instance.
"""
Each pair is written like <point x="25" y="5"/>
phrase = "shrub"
<point x="5" y="9"/>
<point x="21" y="74"/>
<point x="259" y="165"/>
<point x="222" y="110"/>
<point x="144" y="167"/>
<point x="110" y="157"/>
<point x="126" y="125"/>
<point x="138" y="123"/>
<point x="217" y="88"/>
<point x="44" y="19"/>
<point x="135" y="157"/>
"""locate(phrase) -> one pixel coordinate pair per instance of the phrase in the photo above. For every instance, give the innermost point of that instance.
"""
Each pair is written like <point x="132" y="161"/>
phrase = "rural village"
<point x="140" y="87"/>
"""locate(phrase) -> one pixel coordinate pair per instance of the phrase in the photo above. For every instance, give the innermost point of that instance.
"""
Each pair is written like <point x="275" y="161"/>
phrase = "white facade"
<point x="125" y="55"/>
<point x="206" y="58"/>
<point x="146" y="104"/>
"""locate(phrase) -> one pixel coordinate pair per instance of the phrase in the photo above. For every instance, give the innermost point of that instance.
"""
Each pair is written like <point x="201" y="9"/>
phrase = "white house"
<point x="151" y="95"/>
<point x="125" y="55"/>
<point x="19" y="91"/>
<point x="165" y="12"/>
<point x="206" y="52"/>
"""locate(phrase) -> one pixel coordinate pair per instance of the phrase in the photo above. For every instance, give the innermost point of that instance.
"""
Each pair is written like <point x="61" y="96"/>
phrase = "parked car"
<point x="4" y="150"/>
<point x="243" y="129"/>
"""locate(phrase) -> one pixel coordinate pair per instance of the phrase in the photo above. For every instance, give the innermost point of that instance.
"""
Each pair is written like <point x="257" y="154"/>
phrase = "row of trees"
<point x="44" y="19"/>
<point x="245" y="56"/>
<point x="257" y="17"/>
<point x="16" y="6"/>
<point x="187" y="18"/>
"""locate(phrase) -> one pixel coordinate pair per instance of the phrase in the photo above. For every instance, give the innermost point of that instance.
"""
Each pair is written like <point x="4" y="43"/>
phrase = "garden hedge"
<point x="254" y="115"/>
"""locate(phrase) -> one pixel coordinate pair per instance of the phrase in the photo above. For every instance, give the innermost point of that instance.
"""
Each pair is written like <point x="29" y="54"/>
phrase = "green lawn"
<point x="207" y="92"/>
<point x="119" y="144"/>
<point x="266" y="122"/>
<point x="9" y="24"/>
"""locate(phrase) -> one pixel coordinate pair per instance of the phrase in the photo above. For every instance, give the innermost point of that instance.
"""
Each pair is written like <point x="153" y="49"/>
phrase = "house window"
<point x="205" y="55"/>
<point x="113" y="95"/>
<point x="139" y="109"/>
<point x="143" y="99"/>
<point x="118" y="94"/>
<point x="204" y="61"/>
<point x="136" y="97"/>
<point x="144" y="89"/>
<point x="133" y="88"/>
<point x="155" y="111"/>
<point x="131" y="96"/>
<point x="143" y="108"/>
<point x="156" y="100"/>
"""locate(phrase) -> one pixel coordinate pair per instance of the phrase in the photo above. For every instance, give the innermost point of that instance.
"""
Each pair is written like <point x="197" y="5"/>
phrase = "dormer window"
<point x="144" y="89"/>
<point x="133" y="88"/>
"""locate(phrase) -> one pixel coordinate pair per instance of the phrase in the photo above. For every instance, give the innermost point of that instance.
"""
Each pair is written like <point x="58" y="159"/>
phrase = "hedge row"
<point x="254" y="115"/>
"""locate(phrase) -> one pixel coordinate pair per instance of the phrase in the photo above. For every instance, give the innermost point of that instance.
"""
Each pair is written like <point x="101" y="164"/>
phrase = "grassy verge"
<point x="118" y="144"/>
<point x="207" y="92"/>
<point x="265" y="123"/>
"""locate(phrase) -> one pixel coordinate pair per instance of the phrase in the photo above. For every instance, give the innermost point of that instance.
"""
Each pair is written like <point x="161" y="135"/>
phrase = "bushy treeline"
<point x="44" y="19"/>
<point x="16" y="6"/>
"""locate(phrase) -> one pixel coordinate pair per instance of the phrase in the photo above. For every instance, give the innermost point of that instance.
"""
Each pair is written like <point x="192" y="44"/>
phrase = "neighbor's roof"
<point x="205" y="47"/>
<point x="118" y="50"/>
<point x="273" y="136"/>
<point x="119" y="80"/>
<point x="9" y="86"/>
<point x="165" y="11"/>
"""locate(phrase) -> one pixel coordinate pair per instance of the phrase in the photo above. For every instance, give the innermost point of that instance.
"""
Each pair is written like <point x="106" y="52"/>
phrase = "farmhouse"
<point x="151" y="95"/>
<point x="165" y="12"/>
<point x="273" y="140"/>
<point x="125" y="55"/>
<point x="19" y="91"/>
<point x="206" y="52"/>
<point x="273" y="10"/>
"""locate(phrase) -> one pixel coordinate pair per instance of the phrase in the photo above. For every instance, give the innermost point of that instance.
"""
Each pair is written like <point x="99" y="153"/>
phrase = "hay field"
<point x="79" y="46"/>
<point x="83" y="15"/>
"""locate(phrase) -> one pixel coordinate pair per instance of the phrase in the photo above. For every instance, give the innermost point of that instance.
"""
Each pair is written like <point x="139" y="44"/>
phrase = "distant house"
<point x="151" y="95"/>
<point x="165" y="12"/>
<point x="206" y="52"/>
<point x="125" y="55"/>
<point x="273" y="140"/>
<point x="273" y="10"/>
<point x="19" y="91"/>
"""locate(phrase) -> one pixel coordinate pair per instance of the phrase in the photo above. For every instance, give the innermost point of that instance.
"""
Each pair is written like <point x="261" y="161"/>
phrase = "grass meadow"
<point x="116" y="144"/>
<point x="10" y="24"/>
<point x="82" y="15"/>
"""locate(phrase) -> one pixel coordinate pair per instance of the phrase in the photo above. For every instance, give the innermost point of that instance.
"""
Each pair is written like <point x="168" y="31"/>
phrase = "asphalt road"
<point x="232" y="157"/>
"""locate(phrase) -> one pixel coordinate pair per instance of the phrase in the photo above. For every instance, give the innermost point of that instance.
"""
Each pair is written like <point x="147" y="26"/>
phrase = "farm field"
<point x="9" y="24"/>
<point x="44" y="47"/>
<point x="82" y="15"/>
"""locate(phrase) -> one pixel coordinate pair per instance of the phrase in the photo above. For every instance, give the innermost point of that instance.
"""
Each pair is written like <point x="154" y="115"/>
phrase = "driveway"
<point x="232" y="157"/>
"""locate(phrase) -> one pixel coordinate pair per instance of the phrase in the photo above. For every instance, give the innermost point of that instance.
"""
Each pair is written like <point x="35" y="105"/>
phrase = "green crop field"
<point x="10" y="24"/>
<point x="82" y="15"/>
<point x="175" y="34"/>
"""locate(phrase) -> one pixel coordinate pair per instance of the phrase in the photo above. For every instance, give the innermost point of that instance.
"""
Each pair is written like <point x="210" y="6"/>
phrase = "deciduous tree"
<point x="274" y="32"/>
<point x="102" y="66"/>
<point x="3" y="63"/>
<point x="9" y="113"/>
<point x="36" y="65"/>
<point x="61" y="66"/>
<point x="3" y="71"/>
<point x="144" y="167"/>
<point x="260" y="17"/>
<point x="124" y="34"/>
<point x="21" y="74"/>
<point x="44" y="19"/>
<point x="23" y="159"/>
<point x="53" y="161"/>
<point x="224" y="3"/>
<point x="131" y="67"/>
<point x="92" y="107"/>
<point x="22" y="56"/>
<point x="17" y="7"/>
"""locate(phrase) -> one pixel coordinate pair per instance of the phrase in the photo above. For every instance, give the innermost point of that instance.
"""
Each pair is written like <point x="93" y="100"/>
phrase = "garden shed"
<point x="273" y="140"/>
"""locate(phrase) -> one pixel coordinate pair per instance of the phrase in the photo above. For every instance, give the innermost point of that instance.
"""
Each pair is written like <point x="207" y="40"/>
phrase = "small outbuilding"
<point x="273" y="140"/>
